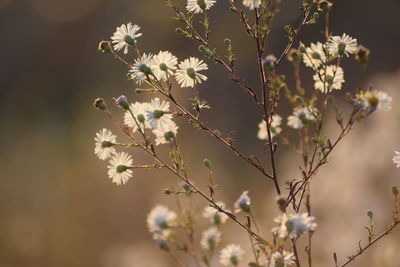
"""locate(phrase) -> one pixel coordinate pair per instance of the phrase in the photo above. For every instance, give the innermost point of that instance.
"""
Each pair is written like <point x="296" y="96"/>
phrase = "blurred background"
<point x="57" y="206"/>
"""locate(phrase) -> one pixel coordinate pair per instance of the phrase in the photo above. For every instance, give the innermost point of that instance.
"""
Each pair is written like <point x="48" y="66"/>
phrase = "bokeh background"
<point x="57" y="206"/>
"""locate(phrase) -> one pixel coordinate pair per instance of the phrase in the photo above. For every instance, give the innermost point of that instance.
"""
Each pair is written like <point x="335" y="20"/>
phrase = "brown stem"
<point x="362" y="249"/>
<point x="152" y="153"/>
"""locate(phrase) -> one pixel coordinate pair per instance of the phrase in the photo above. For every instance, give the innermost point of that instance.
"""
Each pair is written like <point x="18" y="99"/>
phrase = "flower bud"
<point x="324" y="6"/>
<point x="282" y="203"/>
<point x="100" y="104"/>
<point x="168" y="191"/>
<point x="395" y="191"/>
<point x="294" y="56"/>
<point x="207" y="163"/>
<point x="227" y="42"/>
<point x="362" y="55"/>
<point x="122" y="101"/>
<point x="163" y="244"/>
<point x="370" y="214"/>
<point x="302" y="48"/>
<point x="105" y="47"/>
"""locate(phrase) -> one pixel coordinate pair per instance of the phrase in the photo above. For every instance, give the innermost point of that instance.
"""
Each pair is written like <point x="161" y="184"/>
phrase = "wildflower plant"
<point x="151" y="124"/>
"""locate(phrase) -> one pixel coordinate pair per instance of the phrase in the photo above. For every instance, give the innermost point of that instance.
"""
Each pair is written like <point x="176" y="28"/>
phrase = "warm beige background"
<point x="58" y="209"/>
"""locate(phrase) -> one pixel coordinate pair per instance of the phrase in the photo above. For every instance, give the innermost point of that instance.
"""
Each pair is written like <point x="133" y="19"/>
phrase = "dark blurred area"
<point x="58" y="208"/>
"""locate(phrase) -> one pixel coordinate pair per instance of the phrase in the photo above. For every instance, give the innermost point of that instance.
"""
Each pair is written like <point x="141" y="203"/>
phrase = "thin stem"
<point x="362" y="249"/>
<point x="179" y="175"/>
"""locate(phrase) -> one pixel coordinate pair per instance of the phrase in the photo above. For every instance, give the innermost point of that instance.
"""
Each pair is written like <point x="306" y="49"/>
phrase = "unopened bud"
<point x="122" y="101"/>
<point x="370" y="214"/>
<point x="100" y="104"/>
<point x="362" y="55"/>
<point x="395" y="191"/>
<point x="207" y="163"/>
<point x="105" y="47"/>
<point x="168" y="191"/>
<point x="282" y="203"/>
<point x="227" y="42"/>
<point x="163" y="244"/>
<point x="324" y="6"/>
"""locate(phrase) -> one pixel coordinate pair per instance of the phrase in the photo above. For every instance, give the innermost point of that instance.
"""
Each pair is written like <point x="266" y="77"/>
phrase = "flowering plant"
<point x="149" y="125"/>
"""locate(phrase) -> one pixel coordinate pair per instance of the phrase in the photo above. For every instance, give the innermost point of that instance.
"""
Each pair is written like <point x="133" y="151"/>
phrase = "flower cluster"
<point x="150" y="124"/>
<point x="149" y="68"/>
<point x="318" y="57"/>
<point x="154" y="115"/>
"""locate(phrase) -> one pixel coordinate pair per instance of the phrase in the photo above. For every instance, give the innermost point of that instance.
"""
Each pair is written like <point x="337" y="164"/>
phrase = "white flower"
<point x="157" y="114"/>
<point x="104" y="142"/>
<point x="339" y="45"/>
<point x="300" y="117"/>
<point x="396" y="159"/>
<point x="210" y="238"/>
<point x="374" y="100"/>
<point x="314" y="55"/>
<point x="119" y="169"/>
<point x="166" y="134"/>
<point x="243" y="203"/>
<point x="214" y="216"/>
<point x="294" y="225"/>
<point x="275" y="127"/>
<point x="197" y="6"/>
<point x="164" y="65"/>
<point x="159" y="222"/>
<point x="139" y="112"/>
<point x="331" y="80"/>
<point x="281" y="259"/>
<point x="231" y="255"/>
<point x="252" y="4"/>
<point x="142" y="68"/>
<point x="188" y="73"/>
<point x="125" y="36"/>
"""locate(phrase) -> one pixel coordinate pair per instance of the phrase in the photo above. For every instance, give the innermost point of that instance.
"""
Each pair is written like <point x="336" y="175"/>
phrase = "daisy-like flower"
<point x="294" y="225"/>
<point x="210" y="238"/>
<point x="331" y="80"/>
<point x="119" y="169"/>
<point x="252" y="4"/>
<point x="125" y="36"/>
<point x="198" y="6"/>
<point x="104" y="144"/>
<point x="139" y="112"/>
<point x="300" y="117"/>
<point x="164" y="65"/>
<point x="159" y="222"/>
<point x="341" y="45"/>
<point x="275" y="127"/>
<point x="188" y="73"/>
<point x="231" y="255"/>
<point x="214" y="216"/>
<point x="142" y="68"/>
<point x="166" y="134"/>
<point x="243" y="203"/>
<point x="374" y="100"/>
<point x="314" y="55"/>
<point x="157" y="114"/>
<point x="396" y="159"/>
<point x="281" y="259"/>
